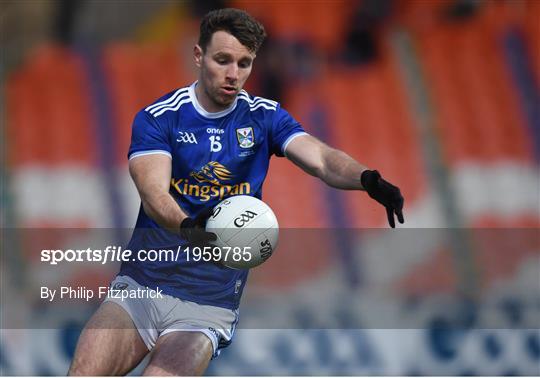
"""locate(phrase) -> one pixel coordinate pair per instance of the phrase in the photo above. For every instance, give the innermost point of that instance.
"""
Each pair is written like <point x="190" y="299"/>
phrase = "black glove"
<point x="193" y="229"/>
<point x="385" y="193"/>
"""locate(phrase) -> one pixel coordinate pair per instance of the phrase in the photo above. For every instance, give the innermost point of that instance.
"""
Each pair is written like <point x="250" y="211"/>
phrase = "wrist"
<point x="187" y="223"/>
<point x="369" y="179"/>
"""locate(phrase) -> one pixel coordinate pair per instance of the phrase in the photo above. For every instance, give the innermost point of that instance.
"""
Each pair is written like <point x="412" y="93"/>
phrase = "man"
<point x="189" y="150"/>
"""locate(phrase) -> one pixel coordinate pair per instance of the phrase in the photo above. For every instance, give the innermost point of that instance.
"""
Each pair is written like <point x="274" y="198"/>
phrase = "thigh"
<point x="109" y="344"/>
<point x="180" y="353"/>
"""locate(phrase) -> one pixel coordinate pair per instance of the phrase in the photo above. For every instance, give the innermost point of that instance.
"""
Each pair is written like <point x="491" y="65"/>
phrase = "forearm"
<point x="152" y="175"/>
<point x="341" y="171"/>
<point x="163" y="209"/>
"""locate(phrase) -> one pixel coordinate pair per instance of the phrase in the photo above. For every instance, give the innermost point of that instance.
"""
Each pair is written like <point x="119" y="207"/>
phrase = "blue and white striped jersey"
<point x="214" y="156"/>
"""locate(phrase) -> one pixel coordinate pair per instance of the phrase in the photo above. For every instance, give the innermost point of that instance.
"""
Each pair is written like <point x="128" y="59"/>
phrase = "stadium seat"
<point x="306" y="244"/>
<point x="501" y="248"/>
<point x="477" y="113"/>
<point x="532" y="27"/>
<point x="49" y="111"/>
<point x="322" y="22"/>
<point x="369" y="119"/>
<point x="138" y="75"/>
<point x="52" y="141"/>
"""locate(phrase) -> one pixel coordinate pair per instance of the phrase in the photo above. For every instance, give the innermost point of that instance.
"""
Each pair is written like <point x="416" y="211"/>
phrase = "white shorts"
<point x="160" y="316"/>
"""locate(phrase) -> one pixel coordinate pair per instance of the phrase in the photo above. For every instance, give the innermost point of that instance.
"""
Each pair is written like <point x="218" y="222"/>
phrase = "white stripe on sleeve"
<point x="290" y="139"/>
<point x="149" y="152"/>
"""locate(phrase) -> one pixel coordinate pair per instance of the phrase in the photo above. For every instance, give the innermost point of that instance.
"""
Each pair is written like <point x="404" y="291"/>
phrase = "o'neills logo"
<point x="215" y="174"/>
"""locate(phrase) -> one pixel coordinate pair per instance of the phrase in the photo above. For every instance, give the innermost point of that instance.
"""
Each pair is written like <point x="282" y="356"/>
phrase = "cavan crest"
<point x="245" y="137"/>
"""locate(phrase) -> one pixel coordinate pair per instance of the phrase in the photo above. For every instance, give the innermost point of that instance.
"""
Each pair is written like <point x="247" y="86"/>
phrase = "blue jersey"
<point x="214" y="156"/>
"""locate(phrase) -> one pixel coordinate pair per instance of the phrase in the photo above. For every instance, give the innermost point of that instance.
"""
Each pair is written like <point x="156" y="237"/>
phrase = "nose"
<point x="232" y="72"/>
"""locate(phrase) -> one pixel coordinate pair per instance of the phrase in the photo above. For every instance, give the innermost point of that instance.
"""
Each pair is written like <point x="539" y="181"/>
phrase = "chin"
<point x="225" y="101"/>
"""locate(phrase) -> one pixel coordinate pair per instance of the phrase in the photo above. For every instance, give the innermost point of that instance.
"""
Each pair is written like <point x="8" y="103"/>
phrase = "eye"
<point x="221" y="59"/>
<point x="244" y="64"/>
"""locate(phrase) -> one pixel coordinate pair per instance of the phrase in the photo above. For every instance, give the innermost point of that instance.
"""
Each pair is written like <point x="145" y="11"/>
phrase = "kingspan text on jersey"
<point x="204" y="193"/>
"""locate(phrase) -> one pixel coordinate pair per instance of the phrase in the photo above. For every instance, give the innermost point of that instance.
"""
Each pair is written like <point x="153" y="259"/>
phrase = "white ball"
<point x="247" y="231"/>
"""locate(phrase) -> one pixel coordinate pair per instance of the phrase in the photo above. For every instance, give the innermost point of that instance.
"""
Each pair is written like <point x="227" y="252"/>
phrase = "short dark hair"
<point x="240" y="24"/>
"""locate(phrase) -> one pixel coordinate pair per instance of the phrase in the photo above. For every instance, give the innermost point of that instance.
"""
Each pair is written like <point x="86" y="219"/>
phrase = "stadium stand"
<point x="49" y="129"/>
<point x="323" y="23"/>
<point x="53" y="149"/>
<point x="136" y="76"/>
<point x="480" y="122"/>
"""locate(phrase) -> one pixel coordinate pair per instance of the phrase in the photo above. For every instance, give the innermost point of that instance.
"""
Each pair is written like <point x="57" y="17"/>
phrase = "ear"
<point x="198" y="55"/>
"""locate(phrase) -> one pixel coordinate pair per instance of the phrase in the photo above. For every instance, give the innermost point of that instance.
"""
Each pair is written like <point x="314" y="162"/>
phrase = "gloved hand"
<point x="385" y="193"/>
<point x="193" y="229"/>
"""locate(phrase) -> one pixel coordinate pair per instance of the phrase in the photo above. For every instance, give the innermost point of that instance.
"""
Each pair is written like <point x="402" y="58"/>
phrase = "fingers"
<point x="207" y="212"/>
<point x="400" y="217"/>
<point x="201" y="236"/>
<point x="203" y="216"/>
<point x="211" y="237"/>
<point x="399" y="208"/>
<point x="390" y="215"/>
<point x="386" y="194"/>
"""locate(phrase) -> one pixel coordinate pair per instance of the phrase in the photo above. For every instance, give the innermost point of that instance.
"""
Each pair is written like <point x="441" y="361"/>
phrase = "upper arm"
<point x="307" y="152"/>
<point x="148" y="136"/>
<point x="151" y="174"/>
<point x="284" y="130"/>
<point x="149" y="155"/>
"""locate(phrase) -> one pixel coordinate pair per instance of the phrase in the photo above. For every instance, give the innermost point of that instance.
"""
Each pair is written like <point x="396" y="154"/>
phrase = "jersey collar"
<point x="201" y="110"/>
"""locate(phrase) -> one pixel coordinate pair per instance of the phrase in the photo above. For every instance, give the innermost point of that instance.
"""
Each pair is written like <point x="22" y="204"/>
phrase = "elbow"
<point x="318" y="170"/>
<point x="321" y="173"/>
<point x="151" y="205"/>
<point x="147" y="208"/>
<point x="322" y="167"/>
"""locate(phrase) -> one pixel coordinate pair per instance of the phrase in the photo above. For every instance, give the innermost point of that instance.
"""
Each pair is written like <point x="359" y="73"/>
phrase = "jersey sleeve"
<point x="284" y="129"/>
<point x="148" y="137"/>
